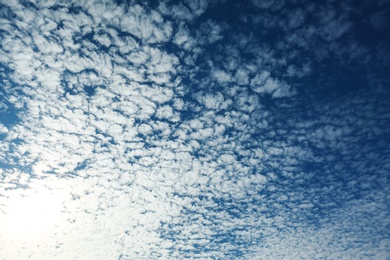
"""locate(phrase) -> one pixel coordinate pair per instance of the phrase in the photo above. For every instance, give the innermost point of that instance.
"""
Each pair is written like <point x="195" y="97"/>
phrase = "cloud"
<point x="168" y="131"/>
<point x="3" y="129"/>
<point x="263" y="83"/>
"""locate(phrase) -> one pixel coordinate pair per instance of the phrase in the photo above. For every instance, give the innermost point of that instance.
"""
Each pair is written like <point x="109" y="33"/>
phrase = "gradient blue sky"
<point x="196" y="129"/>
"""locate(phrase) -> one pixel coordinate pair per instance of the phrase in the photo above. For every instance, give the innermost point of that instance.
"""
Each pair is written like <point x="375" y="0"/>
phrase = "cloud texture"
<point x="196" y="129"/>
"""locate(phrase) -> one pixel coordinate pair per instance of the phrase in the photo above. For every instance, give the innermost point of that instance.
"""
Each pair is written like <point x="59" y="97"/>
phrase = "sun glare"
<point x="32" y="211"/>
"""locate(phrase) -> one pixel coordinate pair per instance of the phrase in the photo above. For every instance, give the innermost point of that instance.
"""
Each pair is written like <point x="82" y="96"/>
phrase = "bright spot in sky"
<point x="32" y="212"/>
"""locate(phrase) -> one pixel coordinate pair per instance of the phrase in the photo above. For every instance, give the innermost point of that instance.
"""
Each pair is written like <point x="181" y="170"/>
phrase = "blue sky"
<point x="197" y="129"/>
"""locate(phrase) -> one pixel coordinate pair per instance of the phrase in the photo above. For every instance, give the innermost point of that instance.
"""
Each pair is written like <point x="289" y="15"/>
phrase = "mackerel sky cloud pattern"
<point x="197" y="129"/>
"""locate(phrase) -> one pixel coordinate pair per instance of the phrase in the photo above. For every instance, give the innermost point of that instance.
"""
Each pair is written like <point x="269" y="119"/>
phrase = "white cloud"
<point x="160" y="143"/>
<point x="264" y="83"/>
<point x="221" y="76"/>
<point x="183" y="38"/>
<point x="3" y="129"/>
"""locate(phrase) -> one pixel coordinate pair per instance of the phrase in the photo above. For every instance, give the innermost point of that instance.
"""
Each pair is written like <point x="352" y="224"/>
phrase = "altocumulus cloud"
<point x="194" y="129"/>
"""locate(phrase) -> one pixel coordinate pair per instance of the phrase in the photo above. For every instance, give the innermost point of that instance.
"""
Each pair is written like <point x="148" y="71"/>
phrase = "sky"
<point x="195" y="129"/>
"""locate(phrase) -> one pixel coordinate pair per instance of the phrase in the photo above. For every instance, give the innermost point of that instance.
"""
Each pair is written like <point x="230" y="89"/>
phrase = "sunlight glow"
<point x="32" y="211"/>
